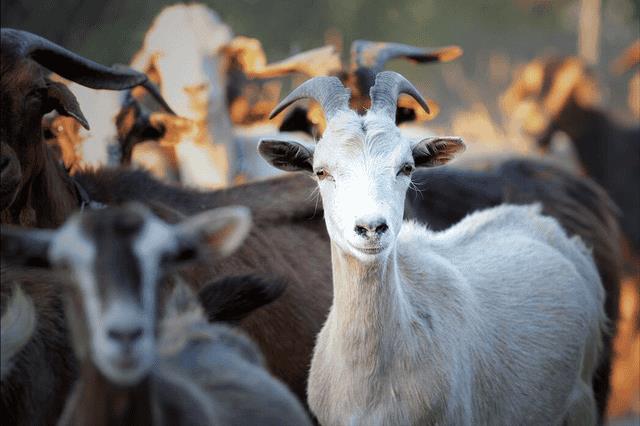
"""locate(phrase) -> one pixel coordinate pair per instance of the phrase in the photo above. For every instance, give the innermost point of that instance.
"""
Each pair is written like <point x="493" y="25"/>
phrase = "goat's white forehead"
<point x="155" y="238"/>
<point x="375" y="134"/>
<point x="200" y="30"/>
<point x="72" y="244"/>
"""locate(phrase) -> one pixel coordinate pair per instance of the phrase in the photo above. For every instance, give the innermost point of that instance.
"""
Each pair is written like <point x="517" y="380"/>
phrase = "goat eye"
<point x="406" y="169"/>
<point x="322" y="174"/>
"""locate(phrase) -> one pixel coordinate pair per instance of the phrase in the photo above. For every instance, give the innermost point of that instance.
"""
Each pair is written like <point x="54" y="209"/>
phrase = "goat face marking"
<point x="116" y="274"/>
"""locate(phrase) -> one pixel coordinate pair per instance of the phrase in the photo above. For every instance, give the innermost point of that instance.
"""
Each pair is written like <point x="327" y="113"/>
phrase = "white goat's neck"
<point x="368" y="305"/>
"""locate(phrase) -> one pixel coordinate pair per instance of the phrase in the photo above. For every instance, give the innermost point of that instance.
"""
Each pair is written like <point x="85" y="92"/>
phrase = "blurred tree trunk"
<point x="589" y="31"/>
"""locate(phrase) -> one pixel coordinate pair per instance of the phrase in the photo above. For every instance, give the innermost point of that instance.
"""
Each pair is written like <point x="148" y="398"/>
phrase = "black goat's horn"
<point x="68" y="64"/>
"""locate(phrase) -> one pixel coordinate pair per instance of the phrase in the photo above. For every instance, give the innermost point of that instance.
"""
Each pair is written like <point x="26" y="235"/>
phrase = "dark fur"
<point x="35" y="390"/>
<point x="610" y="154"/>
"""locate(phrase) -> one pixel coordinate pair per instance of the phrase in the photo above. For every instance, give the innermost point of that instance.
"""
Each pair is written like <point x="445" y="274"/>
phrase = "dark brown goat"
<point x="562" y="91"/>
<point x="34" y="191"/>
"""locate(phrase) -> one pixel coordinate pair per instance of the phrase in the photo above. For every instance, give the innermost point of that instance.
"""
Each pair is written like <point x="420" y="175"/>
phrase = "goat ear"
<point x="287" y="155"/>
<point x="221" y="231"/>
<point x="231" y="299"/>
<point x="436" y="151"/>
<point x="60" y="98"/>
<point x="26" y="247"/>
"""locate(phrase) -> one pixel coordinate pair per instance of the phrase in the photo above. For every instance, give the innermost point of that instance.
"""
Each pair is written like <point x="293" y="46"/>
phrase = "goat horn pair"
<point x="68" y="64"/>
<point x="330" y="93"/>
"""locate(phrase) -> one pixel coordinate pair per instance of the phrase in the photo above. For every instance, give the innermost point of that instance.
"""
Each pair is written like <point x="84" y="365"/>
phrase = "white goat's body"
<point x="495" y="321"/>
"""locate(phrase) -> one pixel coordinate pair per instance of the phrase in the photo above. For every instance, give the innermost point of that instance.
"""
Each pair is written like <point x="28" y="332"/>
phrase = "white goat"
<point x="497" y="320"/>
<point x="182" y="49"/>
<point x="190" y="65"/>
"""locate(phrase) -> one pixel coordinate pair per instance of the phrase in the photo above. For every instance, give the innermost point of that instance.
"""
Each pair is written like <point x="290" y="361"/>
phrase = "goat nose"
<point x="369" y="228"/>
<point x="125" y="337"/>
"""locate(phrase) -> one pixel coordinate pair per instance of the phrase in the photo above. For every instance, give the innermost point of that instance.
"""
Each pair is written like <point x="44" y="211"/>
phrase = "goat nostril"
<point x="361" y="230"/>
<point x="125" y="336"/>
<point x="382" y="228"/>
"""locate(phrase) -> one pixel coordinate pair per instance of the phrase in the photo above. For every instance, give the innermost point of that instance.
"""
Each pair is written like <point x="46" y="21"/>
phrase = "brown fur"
<point x="35" y="390"/>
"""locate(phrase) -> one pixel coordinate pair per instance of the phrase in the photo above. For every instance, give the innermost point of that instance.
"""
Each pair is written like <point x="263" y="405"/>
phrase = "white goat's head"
<point x="363" y="164"/>
<point x="116" y="258"/>
<point x="180" y="54"/>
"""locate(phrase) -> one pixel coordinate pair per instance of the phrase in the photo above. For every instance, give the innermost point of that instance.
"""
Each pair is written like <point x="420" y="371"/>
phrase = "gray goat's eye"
<point x="406" y="169"/>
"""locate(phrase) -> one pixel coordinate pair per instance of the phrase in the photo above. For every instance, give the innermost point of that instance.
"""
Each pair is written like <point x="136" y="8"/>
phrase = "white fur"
<point x="17" y="326"/>
<point x="99" y="145"/>
<point x="495" y="321"/>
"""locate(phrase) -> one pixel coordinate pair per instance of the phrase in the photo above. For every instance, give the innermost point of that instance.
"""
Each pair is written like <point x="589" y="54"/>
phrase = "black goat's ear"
<point x="287" y="155"/>
<point x="60" y="98"/>
<point x="232" y="299"/>
<point x="436" y="151"/>
<point x="26" y="247"/>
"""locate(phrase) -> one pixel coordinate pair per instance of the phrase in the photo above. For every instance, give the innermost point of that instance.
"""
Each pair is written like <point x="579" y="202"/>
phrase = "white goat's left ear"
<point x="289" y="156"/>
<point x="221" y="230"/>
<point x="436" y="151"/>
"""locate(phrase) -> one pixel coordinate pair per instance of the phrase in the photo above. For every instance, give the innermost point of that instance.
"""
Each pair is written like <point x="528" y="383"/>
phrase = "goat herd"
<point x="133" y="298"/>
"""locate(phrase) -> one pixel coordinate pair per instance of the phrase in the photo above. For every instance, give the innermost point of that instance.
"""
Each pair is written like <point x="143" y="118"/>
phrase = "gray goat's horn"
<point x="384" y="93"/>
<point x="68" y="64"/>
<point x="327" y="91"/>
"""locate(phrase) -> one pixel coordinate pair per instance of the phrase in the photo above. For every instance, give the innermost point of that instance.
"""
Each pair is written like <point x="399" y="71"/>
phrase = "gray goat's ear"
<point x="26" y="247"/>
<point x="436" y="151"/>
<point x="287" y="155"/>
<point x="220" y="231"/>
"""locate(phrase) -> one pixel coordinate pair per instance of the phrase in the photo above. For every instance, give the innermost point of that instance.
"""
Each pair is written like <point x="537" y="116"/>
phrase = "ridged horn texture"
<point x="329" y="92"/>
<point x="384" y="93"/>
<point x="69" y="65"/>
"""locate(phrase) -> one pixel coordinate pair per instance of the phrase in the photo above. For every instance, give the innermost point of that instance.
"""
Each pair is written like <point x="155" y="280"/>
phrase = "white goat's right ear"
<point x="26" y="247"/>
<point x="289" y="156"/>
<point x="436" y="151"/>
<point x="221" y="231"/>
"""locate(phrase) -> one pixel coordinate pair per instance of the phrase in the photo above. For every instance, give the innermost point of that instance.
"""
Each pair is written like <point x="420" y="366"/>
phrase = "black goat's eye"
<point x="322" y="174"/>
<point x="406" y="169"/>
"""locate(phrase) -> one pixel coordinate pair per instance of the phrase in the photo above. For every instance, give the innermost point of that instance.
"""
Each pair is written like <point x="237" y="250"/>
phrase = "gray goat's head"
<point x="116" y="258"/>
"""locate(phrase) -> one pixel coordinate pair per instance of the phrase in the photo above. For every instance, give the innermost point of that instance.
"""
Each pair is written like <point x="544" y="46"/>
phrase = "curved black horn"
<point x="384" y="93"/>
<point x="68" y="64"/>
<point x="374" y="55"/>
<point x="327" y="91"/>
<point x="368" y="58"/>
